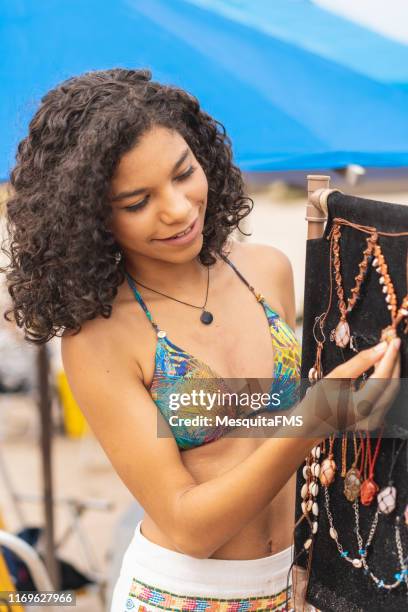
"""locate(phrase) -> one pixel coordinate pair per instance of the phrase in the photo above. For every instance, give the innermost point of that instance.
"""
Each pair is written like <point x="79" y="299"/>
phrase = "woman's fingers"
<point x="339" y="406"/>
<point x="386" y="365"/>
<point x="386" y="400"/>
<point x="377" y="396"/>
<point x="373" y="393"/>
<point x="370" y="403"/>
<point x="377" y="416"/>
<point x="354" y="367"/>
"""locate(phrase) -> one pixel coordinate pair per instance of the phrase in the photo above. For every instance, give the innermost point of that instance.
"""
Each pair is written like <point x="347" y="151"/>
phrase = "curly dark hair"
<point x="62" y="269"/>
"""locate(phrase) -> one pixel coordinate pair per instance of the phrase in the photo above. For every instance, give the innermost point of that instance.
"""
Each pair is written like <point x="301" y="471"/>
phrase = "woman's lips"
<point x="186" y="238"/>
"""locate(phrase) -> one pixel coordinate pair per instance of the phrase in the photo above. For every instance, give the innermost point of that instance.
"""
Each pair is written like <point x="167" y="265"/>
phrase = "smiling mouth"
<point x="182" y="233"/>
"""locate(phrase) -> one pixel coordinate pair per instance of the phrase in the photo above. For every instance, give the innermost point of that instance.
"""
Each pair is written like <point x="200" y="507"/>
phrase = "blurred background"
<point x="302" y="87"/>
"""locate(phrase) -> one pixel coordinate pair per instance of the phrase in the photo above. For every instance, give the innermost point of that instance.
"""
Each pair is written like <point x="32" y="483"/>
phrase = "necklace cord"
<point x="395" y="456"/>
<point x="372" y="459"/>
<point x="173" y="298"/>
<point x="367" y="229"/>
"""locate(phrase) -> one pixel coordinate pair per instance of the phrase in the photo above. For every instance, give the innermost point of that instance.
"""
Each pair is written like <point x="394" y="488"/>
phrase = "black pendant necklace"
<point x="206" y="316"/>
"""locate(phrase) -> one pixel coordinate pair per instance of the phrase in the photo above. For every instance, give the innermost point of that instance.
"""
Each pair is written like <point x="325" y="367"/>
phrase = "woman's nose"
<point x="175" y="207"/>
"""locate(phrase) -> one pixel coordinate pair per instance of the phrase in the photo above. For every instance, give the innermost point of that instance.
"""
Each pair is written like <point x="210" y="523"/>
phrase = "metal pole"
<point x="46" y="441"/>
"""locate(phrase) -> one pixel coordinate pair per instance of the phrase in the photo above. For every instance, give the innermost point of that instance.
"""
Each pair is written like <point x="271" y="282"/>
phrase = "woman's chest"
<point x="238" y="343"/>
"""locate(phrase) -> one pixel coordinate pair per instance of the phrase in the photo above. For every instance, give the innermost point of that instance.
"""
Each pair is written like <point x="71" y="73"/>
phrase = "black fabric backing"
<point x="334" y="584"/>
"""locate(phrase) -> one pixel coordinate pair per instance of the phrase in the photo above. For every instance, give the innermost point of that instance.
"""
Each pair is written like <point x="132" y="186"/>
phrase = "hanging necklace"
<point x="353" y="479"/>
<point x="309" y="492"/>
<point x="206" y="316"/>
<point x="344" y="442"/>
<point x="369" y="487"/>
<point x="372" y="254"/>
<point x="341" y="334"/>
<point x="361" y="561"/>
<point x="400" y="576"/>
<point x="311" y="471"/>
<point x="387" y="498"/>
<point x="328" y="467"/>
<point x="397" y="314"/>
<point x="386" y="504"/>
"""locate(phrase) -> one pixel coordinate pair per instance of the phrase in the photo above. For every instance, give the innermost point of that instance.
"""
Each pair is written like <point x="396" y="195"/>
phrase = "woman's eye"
<point x="186" y="174"/>
<point x="139" y="205"/>
<point x="142" y="203"/>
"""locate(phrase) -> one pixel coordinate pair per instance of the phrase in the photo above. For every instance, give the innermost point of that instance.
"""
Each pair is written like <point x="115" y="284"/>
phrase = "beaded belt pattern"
<point x="142" y="596"/>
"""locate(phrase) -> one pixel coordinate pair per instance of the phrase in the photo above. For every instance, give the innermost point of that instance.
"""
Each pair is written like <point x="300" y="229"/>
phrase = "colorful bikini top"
<point x="195" y="422"/>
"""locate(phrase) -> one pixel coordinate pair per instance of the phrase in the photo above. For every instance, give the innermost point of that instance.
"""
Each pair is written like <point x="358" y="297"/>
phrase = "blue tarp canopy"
<point x="296" y="86"/>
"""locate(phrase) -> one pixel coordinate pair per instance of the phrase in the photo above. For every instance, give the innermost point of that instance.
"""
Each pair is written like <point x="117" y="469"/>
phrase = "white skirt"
<point x="156" y="578"/>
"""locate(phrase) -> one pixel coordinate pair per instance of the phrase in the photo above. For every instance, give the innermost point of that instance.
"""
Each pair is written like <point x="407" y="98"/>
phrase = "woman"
<point x="125" y="200"/>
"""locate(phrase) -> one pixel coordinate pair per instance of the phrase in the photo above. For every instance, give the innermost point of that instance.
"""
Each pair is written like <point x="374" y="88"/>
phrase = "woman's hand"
<point x="337" y="406"/>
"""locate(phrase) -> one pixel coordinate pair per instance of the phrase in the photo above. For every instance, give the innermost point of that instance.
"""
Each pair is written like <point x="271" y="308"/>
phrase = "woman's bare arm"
<point x="198" y="518"/>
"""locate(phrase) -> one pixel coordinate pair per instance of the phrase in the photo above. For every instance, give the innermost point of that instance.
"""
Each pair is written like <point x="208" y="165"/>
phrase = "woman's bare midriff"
<point x="268" y="533"/>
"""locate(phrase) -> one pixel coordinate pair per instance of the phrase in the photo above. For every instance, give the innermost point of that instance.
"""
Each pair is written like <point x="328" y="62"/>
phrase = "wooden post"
<point x="315" y="216"/>
<point x="316" y="209"/>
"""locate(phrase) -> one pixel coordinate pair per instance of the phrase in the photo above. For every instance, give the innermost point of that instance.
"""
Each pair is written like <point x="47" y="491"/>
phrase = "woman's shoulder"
<point x="260" y="258"/>
<point x="109" y="336"/>
<point x="269" y="270"/>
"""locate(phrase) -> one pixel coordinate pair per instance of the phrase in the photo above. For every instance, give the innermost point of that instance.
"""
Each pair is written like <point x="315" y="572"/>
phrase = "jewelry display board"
<point x="355" y="555"/>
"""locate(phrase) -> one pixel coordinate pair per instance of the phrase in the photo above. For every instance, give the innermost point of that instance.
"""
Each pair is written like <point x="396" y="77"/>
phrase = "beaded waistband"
<point x="141" y="593"/>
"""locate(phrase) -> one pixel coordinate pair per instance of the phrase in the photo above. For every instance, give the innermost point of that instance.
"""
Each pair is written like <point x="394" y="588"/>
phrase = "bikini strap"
<point x="139" y="298"/>
<point x="258" y="296"/>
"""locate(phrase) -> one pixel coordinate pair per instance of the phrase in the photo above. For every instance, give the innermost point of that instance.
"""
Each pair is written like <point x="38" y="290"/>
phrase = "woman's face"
<point x="158" y="191"/>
